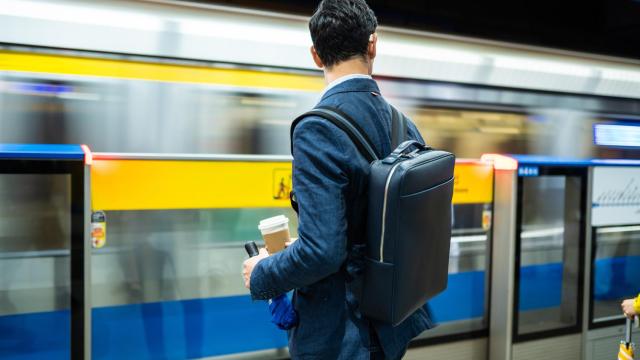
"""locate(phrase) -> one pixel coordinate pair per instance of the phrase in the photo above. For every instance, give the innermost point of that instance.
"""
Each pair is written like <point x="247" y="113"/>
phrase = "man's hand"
<point x="249" y="264"/>
<point x="290" y="242"/>
<point x="628" y="309"/>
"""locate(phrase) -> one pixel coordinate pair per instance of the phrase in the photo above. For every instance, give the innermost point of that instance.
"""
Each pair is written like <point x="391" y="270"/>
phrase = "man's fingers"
<point x="249" y="264"/>
<point x="245" y="274"/>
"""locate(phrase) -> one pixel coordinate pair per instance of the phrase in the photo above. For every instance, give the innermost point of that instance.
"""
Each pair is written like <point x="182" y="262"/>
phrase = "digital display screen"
<point x="620" y="135"/>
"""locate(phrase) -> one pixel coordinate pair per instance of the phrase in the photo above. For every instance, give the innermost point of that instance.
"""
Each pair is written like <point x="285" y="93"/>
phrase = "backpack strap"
<point x="345" y="123"/>
<point x="398" y="128"/>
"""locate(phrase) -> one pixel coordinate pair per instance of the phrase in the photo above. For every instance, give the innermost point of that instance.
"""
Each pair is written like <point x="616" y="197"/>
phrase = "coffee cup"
<point x="275" y="232"/>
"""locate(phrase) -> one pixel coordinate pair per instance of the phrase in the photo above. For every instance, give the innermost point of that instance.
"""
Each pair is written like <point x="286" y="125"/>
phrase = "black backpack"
<point x="408" y="221"/>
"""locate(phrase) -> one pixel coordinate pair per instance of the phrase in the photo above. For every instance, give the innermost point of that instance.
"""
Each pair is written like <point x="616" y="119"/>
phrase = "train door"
<point x="538" y="252"/>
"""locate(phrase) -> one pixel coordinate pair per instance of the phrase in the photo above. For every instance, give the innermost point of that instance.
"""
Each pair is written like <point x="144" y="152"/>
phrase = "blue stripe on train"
<point x="617" y="278"/>
<point x="162" y="330"/>
<point x="465" y="294"/>
<point x="35" y="336"/>
<point x="463" y="299"/>
<point x="224" y="325"/>
<point x="184" y="329"/>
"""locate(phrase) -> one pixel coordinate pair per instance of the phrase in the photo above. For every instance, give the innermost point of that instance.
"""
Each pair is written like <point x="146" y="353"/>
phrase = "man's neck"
<point x="349" y="67"/>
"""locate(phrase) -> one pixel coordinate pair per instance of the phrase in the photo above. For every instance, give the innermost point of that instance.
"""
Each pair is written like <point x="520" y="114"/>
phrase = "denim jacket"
<point x="329" y="179"/>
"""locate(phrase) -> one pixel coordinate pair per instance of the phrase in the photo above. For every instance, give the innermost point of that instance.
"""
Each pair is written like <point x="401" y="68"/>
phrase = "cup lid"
<point x="273" y="222"/>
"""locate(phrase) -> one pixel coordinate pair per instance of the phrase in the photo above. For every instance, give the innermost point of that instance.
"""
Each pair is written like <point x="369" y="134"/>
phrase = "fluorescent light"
<point x="535" y="234"/>
<point x="419" y="50"/>
<point x="468" y="238"/>
<point x="618" y="229"/>
<point x="259" y="32"/>
<point x="82" y="13"/>
<point x="542" y="66"/>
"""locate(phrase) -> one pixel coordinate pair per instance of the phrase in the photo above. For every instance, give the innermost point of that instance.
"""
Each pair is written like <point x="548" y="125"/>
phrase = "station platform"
<point x="147" y="250"/>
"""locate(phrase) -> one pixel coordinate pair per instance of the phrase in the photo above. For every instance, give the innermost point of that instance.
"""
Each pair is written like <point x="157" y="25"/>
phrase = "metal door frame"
<point x="582" y="173"/>
<point x="80" y="251"/>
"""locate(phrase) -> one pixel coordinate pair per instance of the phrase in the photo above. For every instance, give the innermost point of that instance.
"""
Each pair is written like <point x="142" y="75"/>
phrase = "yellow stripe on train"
<point x="71" y="65"/>
<point x="473" y="183"/>
<point x="168" y="184"/>
<point x="173" y="184"/>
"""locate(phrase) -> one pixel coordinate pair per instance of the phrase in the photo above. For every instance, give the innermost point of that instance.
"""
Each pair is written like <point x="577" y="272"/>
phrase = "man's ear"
<point x="372" y="47"/>
<point x="316" y="58"/>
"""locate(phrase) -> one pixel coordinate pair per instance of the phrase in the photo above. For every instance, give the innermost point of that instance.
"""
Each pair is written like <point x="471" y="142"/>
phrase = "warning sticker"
<point x="473" y="183"/>
<point x="98" y="229"/>
<point x="281" y="183"/>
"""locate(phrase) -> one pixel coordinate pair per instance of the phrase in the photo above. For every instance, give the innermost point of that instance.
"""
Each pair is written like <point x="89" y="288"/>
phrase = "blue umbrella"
<point x="282" y="312"/>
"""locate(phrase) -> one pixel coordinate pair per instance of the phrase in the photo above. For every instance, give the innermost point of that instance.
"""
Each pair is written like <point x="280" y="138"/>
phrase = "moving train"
<point x="173" y="78"/>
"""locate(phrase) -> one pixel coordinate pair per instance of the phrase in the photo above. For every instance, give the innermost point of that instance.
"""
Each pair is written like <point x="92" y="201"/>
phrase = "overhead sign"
<point x="616" y="135"/>
<point x="615" y="196"/>
<point x="528" y="171"/>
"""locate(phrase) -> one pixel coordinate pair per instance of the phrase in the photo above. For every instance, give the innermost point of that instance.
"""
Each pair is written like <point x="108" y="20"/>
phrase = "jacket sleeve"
<point x="414" y="133"/>
<point x="320" y="182"/>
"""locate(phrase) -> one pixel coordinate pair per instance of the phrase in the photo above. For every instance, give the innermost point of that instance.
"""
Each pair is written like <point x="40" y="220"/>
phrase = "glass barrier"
<point x="35" y="233"/>
<point x="167" y="284"/>
<point x="167" y="281"/>
<point x="548" y="253"/>
<point x="616" y="270"/>
<point x="462" y="307"/>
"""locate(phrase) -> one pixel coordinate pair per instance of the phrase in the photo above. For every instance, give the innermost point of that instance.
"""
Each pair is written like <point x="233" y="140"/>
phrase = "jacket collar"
<point x="352" y="85"/>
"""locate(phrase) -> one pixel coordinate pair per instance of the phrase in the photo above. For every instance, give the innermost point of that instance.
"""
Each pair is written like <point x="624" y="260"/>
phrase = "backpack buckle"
<point x="411" y="155"/>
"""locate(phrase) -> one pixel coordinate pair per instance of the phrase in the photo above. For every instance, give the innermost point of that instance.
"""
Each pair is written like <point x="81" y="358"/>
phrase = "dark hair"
<point x="340" y="30"/>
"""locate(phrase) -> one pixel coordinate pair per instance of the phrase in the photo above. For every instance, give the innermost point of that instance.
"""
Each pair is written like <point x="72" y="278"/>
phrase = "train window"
<point x="35" y="234"/>
<point x="470" y="133"/>
<point x="616" y="271"/>
<point x="548" y="255"/>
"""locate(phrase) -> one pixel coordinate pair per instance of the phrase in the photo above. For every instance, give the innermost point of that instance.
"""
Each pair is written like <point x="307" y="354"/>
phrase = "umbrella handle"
<point x="251" y="248"/>
<point x="628" y="333"/>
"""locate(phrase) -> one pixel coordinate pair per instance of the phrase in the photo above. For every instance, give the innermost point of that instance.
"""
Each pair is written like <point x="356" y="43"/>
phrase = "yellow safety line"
<point x="71" y="65"/>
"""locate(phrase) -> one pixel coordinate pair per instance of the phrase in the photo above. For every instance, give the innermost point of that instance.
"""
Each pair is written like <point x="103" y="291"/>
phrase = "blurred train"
<point x="172" y="77"/>
<point x="169" y="77"/>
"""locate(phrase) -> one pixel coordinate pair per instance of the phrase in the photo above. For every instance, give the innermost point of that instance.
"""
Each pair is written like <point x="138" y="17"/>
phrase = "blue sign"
<point x="528" y="171"/>
<point x="617" y="134"/>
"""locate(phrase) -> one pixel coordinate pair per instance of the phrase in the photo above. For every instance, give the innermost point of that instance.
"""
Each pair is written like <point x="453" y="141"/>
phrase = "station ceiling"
<point x="608" y="27"/>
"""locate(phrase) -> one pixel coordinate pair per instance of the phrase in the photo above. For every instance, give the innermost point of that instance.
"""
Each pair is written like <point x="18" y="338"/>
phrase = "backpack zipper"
<point x="384" y="202"/>
<point x="384" y="209"/>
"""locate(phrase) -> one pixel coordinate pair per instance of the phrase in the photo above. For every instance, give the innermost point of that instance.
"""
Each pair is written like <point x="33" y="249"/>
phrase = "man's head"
<point x="343" y="30"/>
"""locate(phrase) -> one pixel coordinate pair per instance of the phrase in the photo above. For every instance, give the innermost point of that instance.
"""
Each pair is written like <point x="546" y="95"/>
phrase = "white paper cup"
<point x="275" y="232"/>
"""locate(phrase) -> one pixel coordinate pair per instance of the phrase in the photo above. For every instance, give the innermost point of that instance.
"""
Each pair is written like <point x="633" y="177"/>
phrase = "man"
<point x="329" y="180"/>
